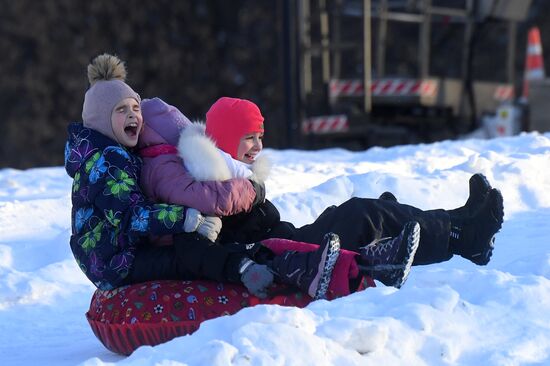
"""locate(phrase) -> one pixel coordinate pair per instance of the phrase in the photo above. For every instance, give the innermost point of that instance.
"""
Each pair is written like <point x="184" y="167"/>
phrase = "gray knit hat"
<point x="106" y="74"/>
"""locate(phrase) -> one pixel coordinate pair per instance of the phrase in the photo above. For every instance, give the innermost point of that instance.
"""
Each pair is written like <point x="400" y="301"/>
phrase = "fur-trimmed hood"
<point x="204" y="161"/>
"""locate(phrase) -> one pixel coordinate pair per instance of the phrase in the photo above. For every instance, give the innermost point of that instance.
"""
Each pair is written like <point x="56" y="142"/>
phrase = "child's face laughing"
<point x="250" y="146"/>
<point x="127" y="122"/>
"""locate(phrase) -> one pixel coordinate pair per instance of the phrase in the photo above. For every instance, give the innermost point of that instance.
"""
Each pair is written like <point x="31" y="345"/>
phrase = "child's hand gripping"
<point x="207" y="226"/>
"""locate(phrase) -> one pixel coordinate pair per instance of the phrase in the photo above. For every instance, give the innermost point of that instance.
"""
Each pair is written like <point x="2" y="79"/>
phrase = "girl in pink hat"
<point x="237" y="127"/>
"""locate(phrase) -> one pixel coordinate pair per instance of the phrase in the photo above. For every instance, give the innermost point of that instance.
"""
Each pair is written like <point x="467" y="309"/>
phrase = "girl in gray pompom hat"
<point x="111" y="106"/>
<point x="111" y="218"/>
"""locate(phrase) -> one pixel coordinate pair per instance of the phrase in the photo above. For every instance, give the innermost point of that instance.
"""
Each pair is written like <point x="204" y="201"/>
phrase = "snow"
<point x="452" y="313"/>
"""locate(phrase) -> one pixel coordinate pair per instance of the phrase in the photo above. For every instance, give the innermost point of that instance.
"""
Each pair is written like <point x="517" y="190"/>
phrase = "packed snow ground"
<point x="453" y="313"/>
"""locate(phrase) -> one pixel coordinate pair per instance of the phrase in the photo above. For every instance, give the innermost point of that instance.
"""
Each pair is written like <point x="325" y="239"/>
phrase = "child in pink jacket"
<point x="204" y="164"/>
<point x="164" y="179"/>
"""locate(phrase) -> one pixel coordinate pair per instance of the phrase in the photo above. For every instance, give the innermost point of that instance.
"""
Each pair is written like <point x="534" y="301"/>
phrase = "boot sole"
<point x="497" y="211"/>
<point x="413" y="241"/>
<point x="319" y="286"/>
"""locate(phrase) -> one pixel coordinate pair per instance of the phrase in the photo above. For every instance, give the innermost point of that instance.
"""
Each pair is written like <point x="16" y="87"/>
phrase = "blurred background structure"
<point x="291" y="57"/>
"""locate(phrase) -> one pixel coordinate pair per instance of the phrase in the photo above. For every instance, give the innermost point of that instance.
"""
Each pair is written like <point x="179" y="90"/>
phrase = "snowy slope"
<point x="453" y="313"/>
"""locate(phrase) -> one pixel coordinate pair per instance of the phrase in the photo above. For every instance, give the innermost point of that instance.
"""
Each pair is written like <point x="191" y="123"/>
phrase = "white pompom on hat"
<point x="106" y="74"/>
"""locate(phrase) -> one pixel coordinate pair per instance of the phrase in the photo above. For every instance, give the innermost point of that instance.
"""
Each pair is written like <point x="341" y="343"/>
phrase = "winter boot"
<point x="311" y="272"/>
<point x="479" y="188"/>
<point x="472" y="236"/>
<point x="389" y="260"/>
<point x="388" y="196"/>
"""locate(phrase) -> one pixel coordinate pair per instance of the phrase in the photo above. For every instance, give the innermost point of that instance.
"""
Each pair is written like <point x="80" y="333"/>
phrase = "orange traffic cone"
<point x="534" y="64"/>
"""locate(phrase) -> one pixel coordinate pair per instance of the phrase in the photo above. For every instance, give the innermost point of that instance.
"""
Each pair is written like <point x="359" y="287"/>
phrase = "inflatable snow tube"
<point x="155" y="312"/>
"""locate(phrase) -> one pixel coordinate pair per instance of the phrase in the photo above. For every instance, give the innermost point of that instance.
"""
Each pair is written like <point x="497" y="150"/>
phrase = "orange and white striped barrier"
<point x="403" y="87"/>
<point x="325" y="124"/>
<point x="384" y="88"/>
<point x="504" y="93"/>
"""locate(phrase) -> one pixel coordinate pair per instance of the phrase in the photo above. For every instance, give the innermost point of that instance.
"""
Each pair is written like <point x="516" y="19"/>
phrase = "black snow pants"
<point x="359" y="221"/>
<point x="191" y="257"/>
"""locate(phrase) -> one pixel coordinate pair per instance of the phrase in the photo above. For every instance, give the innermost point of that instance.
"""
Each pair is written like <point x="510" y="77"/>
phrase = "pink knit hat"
<point x="229" y="119"/>
<point x="106" y="74"/>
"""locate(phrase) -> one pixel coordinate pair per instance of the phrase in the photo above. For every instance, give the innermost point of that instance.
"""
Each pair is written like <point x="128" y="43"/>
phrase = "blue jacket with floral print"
<point x="110" y="215"/>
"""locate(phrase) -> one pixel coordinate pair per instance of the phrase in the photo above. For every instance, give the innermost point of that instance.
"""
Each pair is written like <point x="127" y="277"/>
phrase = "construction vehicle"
<point x="417" y="59"/>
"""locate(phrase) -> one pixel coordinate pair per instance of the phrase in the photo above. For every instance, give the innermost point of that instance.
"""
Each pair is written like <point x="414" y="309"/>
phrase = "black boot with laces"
<point x="311" y="272"/>
<point x="389" y="260"/>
